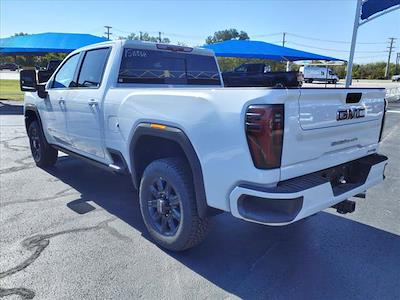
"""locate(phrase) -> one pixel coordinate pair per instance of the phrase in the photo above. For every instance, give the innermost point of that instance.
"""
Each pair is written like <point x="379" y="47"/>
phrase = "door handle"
<point x="61" y="101"/>
<point x="93" y="102"/>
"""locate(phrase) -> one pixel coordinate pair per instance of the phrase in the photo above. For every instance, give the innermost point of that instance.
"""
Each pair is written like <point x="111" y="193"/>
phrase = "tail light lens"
<point x="264" y="131"/>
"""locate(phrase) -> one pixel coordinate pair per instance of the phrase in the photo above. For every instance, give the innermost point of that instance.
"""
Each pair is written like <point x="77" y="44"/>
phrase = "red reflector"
<point x="264" y="131"/>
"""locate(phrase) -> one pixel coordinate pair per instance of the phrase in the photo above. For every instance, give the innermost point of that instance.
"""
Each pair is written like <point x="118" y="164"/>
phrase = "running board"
<point x="109" y="167"/>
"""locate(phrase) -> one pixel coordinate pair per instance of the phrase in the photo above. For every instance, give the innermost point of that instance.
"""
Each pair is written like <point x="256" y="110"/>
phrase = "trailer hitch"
<point x="344" y="207"/>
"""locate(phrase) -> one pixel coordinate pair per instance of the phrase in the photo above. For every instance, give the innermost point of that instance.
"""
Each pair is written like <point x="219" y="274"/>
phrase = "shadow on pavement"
<point x="11" y="109"/>
<point x="323" y="257"/>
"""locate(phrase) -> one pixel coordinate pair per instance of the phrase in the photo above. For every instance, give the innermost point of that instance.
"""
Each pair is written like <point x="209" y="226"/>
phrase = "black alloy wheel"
<point x="164" y="206"/>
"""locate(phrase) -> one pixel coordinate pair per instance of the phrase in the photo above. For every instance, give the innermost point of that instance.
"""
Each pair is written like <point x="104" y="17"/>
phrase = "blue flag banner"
<point x="371" y="7"/>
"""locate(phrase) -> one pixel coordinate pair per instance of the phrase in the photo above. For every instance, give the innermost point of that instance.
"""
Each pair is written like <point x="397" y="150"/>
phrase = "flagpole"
<point x="353" y="44"/>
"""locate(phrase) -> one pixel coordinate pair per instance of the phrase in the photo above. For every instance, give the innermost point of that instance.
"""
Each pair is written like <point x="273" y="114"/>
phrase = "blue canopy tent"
<point x="368" y="10"/>
<point x="263" y="50"/>
<point x="36" y="44"/>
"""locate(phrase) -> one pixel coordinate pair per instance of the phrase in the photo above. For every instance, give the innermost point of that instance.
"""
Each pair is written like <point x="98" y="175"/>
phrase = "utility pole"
<point x="390" y="53"/>
<point x="396" y="71"/>
<point x="159" y="36"/>
<point x="283" y="39"/>
<point x="283" y="45"/>
<point x="108" y="33"/>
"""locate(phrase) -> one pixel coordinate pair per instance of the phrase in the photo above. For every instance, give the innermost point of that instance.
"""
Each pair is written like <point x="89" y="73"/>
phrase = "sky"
<point x="319" y="26"/>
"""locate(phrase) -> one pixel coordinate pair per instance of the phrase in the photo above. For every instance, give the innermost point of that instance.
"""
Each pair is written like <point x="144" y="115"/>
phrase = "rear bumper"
<point x="300" y="197"/>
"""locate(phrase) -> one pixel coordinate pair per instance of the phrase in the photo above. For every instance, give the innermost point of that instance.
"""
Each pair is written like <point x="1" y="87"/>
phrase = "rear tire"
<point x="43" y="154"/>
<point x="168" y="205"/>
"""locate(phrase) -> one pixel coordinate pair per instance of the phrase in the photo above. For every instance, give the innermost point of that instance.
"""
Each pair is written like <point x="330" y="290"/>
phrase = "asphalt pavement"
<point x="75" y="232"/>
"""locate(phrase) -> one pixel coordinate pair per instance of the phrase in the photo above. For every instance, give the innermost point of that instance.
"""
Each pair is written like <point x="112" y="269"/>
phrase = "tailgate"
<point x="333" y="126"/>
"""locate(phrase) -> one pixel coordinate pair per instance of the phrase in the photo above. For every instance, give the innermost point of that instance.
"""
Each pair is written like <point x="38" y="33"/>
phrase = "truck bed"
<point x="269" y="79"/>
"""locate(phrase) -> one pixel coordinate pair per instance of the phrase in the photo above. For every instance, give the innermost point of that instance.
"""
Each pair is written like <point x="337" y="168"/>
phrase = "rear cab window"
<point x="166" y="67"/>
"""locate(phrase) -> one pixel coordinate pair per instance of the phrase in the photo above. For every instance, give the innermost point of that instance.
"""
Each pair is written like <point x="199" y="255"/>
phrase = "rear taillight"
<point x="264" y="131"/>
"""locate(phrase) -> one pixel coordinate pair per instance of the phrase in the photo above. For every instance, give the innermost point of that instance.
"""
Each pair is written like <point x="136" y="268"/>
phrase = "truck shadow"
<point x="325" y="256"/>
<point x="11" y="109"/>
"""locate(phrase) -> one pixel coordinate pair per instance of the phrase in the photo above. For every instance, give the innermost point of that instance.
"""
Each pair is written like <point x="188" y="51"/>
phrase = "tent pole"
<point x="287" y="66"/>
<point x="353" y="44"/>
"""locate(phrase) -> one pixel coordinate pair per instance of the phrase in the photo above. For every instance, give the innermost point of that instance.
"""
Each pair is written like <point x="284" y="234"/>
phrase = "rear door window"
<point x="93" y="67"/>
<point x="163" y="67"/>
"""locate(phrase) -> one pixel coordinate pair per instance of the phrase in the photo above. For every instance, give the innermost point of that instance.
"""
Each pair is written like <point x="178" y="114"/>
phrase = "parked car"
<point x="317" y="73"/>
<point x="161" y="114"/>
<point x="9" y="66"/>
<point x="53" y="64"/>
<point x="396" y="77"/>
<point x="46" y="72"/>
<point x="259" y="74"/>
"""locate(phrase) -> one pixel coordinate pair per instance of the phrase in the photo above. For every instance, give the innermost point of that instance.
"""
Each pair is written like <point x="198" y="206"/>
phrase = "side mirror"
<point x="41" y="90"/>
<point x="27" y="80"/>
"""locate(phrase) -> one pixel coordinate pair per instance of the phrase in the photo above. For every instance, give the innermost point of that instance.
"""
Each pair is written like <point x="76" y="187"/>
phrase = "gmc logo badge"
<point x="350" y="113"/>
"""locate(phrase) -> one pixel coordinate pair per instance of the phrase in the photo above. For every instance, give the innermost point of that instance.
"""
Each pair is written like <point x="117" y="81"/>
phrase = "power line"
<point x="332" y="41"/>
<point x="266" y="35"/>
<point x="369" y="56"/>
<point x="334" y="50"/>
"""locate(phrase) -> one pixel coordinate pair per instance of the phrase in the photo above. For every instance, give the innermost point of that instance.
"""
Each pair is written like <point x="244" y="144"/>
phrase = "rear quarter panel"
<point x="212" y="119"/>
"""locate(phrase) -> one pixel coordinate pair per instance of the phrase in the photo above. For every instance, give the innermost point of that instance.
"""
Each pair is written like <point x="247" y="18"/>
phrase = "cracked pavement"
<point x="75" y="232"/>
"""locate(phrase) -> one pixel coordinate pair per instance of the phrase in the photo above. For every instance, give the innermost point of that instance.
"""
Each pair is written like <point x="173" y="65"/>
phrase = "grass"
<point x="9" y="90"/>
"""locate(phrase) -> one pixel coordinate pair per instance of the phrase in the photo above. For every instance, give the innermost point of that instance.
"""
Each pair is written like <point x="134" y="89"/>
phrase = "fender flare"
<point x="34" y="109"/>
<point x="178" y="136"/>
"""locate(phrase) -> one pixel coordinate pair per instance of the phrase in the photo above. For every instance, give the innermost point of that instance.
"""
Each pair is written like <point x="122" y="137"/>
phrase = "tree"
<point x="20" y="34"/>
<point x="145" y="36"/>
<point x="226" y="35"/>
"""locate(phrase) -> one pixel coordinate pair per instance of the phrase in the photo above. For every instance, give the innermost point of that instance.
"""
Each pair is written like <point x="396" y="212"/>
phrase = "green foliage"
<point x="145" y="36"/>
<point x="366" y="71"/>
<point x="31" y="61"/>
<point x="226" y="35"/>
<point x="20" y="34"/>
<point x="9" y="90"/>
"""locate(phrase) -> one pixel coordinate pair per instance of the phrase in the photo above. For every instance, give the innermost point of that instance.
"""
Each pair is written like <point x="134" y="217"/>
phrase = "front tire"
<point x="43" y="154"/>
<point x="168" y="205"/>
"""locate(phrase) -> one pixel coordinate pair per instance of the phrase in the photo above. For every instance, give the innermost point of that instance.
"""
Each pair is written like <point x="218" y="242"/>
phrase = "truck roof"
<point x="146" y="45"/>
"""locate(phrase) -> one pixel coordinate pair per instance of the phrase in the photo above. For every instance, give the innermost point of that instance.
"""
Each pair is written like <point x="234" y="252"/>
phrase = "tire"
<point x="168" y="205"/>
<point x="43" y="154"/>
<point x="334" y="81"/>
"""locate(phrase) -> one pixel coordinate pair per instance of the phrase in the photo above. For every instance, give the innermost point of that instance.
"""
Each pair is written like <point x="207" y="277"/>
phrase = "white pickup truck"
<point x="193" y="147"/>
